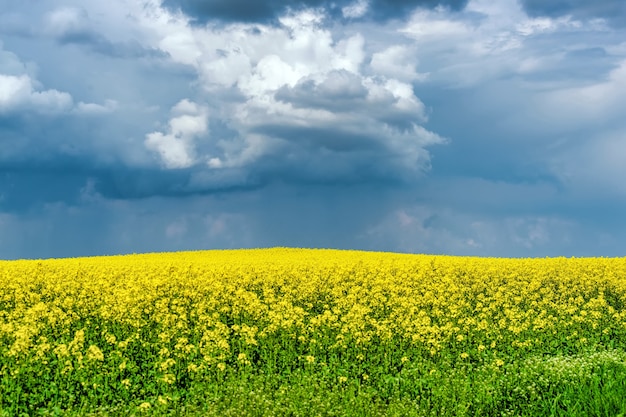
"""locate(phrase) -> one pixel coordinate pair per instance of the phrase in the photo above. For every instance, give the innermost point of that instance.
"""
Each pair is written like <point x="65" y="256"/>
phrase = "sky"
<point x="458" y="127"/>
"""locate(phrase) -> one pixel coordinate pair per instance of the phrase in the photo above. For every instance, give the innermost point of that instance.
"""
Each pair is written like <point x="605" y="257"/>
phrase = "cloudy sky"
<point x="427" y="126"/>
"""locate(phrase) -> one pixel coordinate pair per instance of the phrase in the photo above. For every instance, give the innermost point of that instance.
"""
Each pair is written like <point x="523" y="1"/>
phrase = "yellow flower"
<point x="310" y="359"/>
<point x="342" y="379"/>
<point x="110" y="338"/>
<point x="169" y="378"/>
<point x="62" y="351"/>
<point x="94" y="353"/>
<point x="144" y="405"/>
<point x="243" y="359"/>
<point x="464" y="355"/>
<point x="168" y="363"/>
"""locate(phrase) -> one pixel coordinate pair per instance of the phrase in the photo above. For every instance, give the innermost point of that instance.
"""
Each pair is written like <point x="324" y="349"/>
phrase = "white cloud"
<point x="486" y="41"/>
<point x="109" y="106"/>
<point x="399" y="62"/>
<point x="66" y="20"/>
<point x="182" y="47"/>
<point x="18" y="93"/>
<point x="433" y="25"/>
<point x="256" y="61"/>
<point x="270" y="74"/>
<point x="225" y="71"/>
<point x="14" y="89"/>
<point x="176" y="148"/>
<point x="356" y="9"/>
<point x="406" y="99"/>
<point x="253" y="57"/>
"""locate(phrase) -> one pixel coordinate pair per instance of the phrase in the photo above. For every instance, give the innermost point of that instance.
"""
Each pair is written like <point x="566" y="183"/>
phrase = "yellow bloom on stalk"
<point x="62" y="350"/>
<point x="243" y="359"/>
<point x="168" y="363"/>
<point x="110" y="338"/>
<point x="310" y="359"/>
<point x="169" y="378"/>
<point x="94" y="353"/>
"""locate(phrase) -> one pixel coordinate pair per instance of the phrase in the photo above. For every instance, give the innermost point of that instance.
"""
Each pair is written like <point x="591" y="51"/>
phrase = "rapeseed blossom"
<point x="166" y="320"/>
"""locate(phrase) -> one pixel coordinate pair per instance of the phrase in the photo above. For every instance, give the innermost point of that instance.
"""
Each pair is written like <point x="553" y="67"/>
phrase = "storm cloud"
<point x="468" y="128"/>
<point x="614" y="11"/>
<point x="203" y="11"/>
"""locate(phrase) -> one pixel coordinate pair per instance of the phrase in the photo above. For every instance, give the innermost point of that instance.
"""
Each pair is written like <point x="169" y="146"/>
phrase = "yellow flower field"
<point x="146" y="331"/>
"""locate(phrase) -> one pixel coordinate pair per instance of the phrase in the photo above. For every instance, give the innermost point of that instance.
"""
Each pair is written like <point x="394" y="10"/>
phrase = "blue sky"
<point x="447" y="127"/>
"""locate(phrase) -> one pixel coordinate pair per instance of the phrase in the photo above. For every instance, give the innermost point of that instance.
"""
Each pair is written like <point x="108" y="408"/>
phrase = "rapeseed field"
<point x="296" y="332"/>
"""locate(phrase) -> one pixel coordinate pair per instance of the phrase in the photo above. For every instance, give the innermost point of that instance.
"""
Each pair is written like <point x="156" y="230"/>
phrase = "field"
<point x="294" y="332"/>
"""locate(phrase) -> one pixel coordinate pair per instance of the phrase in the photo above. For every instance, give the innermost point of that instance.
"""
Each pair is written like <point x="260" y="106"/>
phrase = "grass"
<point x="590" y="384"/>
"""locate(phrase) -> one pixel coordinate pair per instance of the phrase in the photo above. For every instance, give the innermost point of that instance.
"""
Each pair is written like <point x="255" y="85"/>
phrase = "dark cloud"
<point x="253" y="11"/>
<point x="313" y="138"/>
<point x="612" y="10"/>
<point x="338" y="92"/>
<point x="390" y="9"/>
<point x="43" y="188"/>
<point x="70" y="181"/>
<point x="344" y="92"/>
<point x="99" y="44"/>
